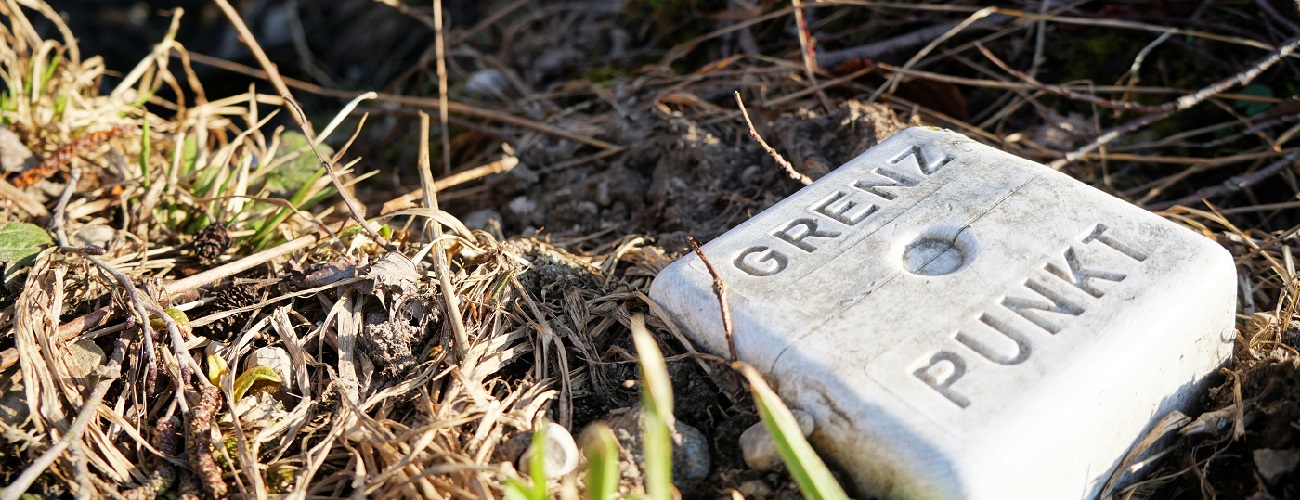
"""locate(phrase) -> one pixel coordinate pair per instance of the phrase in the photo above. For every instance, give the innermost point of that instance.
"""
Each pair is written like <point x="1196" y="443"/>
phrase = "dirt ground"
<point x="586" y="141"/>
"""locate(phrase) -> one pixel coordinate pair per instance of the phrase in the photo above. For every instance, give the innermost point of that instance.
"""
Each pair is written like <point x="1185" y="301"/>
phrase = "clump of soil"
<point x="1263" y="460"/>
<point x="678" y="176"/>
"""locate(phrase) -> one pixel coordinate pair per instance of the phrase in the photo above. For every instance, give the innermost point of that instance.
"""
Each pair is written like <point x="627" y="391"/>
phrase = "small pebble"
<point x="1273" y="465"/>
<point x="758" y="447"/>
<point x="522" y="207"/>
<point x="690" y="446"/>
<point x="99" y="235"/>
<point x="13" y="154"/>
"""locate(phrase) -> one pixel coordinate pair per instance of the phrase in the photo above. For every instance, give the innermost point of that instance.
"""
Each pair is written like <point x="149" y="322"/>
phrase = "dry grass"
<point x="354" y="416"/>
<point x="422" y="352"/>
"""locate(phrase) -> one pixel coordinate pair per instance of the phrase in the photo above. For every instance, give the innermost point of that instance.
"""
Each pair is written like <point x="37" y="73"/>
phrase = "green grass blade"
<point x="144" y="154"/>
<point x="808" y="470"/>
<point x="49" y="70"/>
<point x="517" y="489"/>
<point x="264" y="232"/>
<point x="137" y="103"/>
<point x="601" y="449"/>
<point x="657" y="405"/>
<point x="60" y="104"/>
<point x="189" y="155"/>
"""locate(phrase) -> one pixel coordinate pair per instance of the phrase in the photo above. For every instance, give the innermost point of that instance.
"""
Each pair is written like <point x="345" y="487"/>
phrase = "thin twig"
<point x="785" y="165"/>
<point x="829" y="60"/>
<point x="273" y="74"/>
<point x="133" y="294"/>
<point x="808" y="54"/>
<point x="406" y="10"/>
<point x="439" y="256"/>
<point x="720" y="290"/>
<point x="1243" y="78"/>
<point x="1235" y="184"/>
<point x="413" y="101"/>
<point x="916" y="58"/>
<point x="354" y="206"/>
<point x="1064" y="92"/>
<point x="107" y="375"/>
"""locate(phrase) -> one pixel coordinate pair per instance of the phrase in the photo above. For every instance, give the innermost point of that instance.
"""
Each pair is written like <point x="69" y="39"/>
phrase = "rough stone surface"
<point x="962" y="323"/>
<point x="1274" y="464"/>
<point x="758" y="447"/>
<point x="14" y="156"/>
<point x="690" y="446"/>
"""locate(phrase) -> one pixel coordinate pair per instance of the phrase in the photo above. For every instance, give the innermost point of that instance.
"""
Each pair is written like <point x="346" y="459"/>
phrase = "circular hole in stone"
<point x="932" y="255"/>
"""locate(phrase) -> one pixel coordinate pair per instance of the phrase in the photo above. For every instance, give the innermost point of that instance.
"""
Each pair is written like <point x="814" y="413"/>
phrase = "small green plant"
<point x="807" y="469"/>
<point x="20" y="243"/>
<point x="601" y="449"/>
<point x="657" y="406"/>
<point x="535" y="487"/>
<point x="144" y="154"/>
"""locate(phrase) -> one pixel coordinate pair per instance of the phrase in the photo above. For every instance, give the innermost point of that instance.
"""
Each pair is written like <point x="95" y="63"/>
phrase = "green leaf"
<point x="291" y="175"/>
<point x="20" y="242"/>
<point x="601" y="449"/>
<point x="252" y="376"/>
<point x="189" y="155"/>
<point x="50" y="69"/>
<point x="1251" y="108"/>
<point x="60" y="104"/>
<point x="657" y="405"/>
<point x="518" y="489"/>
<point x="807" y="469"/>
<point x="144" y="154"/>
<point x="264" y="234"/>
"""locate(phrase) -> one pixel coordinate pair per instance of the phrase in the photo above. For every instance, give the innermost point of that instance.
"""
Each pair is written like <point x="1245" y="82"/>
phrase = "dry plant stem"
<point x="911" y="62"/>
<point x="223" y="271"/>
<point x="682" y="49"/>
<point x="350" y="201"/>
<point x="1064" y="92"/>
<point x="181" y="352"/>
<point x="15" y="490"/>
<point x="133" y="294"/>
<point x="439" y="257"/>
<point x="785" y="165"/>
<point x="720" y="290"/>
<point x="406" y="10"/>
<point x="902" y="42"/>
<point x="172" y="289"/>
<point x="806" y="51"/>
<point x="1235" y="184"/>
<point x="146" y="331"/>
<point x="440" y="49"/>
<point x="273" y="74"/>
<point x="1277" y="16"/>
<point x="497" y="167"/>
<point x="414" y="101"/>
<point x="1184" y="102"/>
<point x="431" y="190"/>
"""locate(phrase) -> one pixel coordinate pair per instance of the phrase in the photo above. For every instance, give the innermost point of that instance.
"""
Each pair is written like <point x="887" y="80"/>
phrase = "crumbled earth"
<point x="1262" y="394"/>
<point x="678" y="177"/>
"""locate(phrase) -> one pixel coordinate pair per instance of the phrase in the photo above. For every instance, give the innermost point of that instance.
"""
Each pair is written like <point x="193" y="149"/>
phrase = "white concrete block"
<point x="962" y="323"/>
